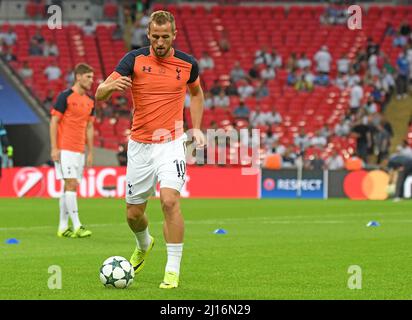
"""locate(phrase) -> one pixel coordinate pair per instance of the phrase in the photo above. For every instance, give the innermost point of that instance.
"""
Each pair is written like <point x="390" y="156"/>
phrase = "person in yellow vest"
<point x="4" y="142"/>
<point x="10" y="152"/>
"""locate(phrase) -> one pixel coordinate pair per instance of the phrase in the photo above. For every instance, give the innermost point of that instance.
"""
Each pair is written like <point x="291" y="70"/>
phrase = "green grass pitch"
<point x="274" y="249"/>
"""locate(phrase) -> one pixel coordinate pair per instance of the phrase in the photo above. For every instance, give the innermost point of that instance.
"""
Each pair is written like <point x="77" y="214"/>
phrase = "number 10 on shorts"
<point x="181" y="168"/>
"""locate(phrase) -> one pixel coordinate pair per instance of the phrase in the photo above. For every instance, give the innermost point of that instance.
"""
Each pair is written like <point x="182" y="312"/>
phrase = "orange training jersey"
<point x="158" y="91"/>
<point x="74" y="111"/>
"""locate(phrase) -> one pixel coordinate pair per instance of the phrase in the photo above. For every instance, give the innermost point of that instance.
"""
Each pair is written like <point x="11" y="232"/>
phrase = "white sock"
<point x="143" y="239"/>
<point x="174" y="256"/>
<point x="64" y="215"/>
<point x="71" y="205"/>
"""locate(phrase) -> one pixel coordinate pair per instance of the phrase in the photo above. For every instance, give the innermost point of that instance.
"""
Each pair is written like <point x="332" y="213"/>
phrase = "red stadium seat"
<point x="31" y="9"/>
<point x="110" y="10"/>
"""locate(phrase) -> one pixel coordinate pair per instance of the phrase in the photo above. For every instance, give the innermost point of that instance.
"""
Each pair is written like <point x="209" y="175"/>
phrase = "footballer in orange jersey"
<point x="158" y="76"/>
<point x="71" y="129"/>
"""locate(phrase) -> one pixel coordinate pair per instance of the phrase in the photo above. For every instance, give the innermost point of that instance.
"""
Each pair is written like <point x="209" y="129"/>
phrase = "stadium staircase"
<point x="398" y="112"/>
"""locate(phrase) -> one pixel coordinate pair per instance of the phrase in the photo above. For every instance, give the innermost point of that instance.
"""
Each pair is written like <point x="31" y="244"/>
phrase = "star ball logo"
<point x="269" y="184"/>
<point x="28" y="182"/>
<point x="362" y="185"/>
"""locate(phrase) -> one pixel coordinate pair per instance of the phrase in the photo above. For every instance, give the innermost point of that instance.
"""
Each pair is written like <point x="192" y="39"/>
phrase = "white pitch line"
<point x="217" y="222"/>
<point x="305" y="222"/>
<point x="53" y="227"/>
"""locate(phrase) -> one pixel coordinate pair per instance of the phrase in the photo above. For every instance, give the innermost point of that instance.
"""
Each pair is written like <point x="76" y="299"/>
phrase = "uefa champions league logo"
<point x="28" y="182"/>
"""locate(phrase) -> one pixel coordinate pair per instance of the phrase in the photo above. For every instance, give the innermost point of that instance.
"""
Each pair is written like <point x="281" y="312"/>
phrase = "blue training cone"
<point x="373" y="224"/>
<point x="12" y="241"/>
<point x="220" y="231"/>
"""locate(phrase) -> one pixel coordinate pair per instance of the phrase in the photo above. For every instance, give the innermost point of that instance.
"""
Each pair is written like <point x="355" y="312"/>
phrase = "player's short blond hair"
<point x="162" y="17"/>
<point x="82" y="68"/>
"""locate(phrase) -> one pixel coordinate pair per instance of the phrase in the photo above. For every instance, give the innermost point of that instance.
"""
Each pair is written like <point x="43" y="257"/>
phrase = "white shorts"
<point x="70" y="166"/>
<point x="149" y="163"/>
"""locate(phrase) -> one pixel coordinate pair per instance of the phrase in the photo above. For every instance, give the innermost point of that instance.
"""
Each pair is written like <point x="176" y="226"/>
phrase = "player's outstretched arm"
<point x="110" y="85"/>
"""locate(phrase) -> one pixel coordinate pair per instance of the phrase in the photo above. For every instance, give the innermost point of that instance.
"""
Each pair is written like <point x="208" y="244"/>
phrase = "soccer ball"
<point x="116" y="272"/>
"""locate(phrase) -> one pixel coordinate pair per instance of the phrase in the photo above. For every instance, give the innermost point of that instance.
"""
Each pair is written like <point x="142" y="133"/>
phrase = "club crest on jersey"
<point x="178" y="73"/>
<point x="147" y="69"/>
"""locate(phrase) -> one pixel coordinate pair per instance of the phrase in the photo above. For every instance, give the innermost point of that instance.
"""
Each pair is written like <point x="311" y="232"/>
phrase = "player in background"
<point x="71" y="128"/>
<point x="4" y="143"/>
<point x="399" y="167"/>
<point x="158" y="76"/>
